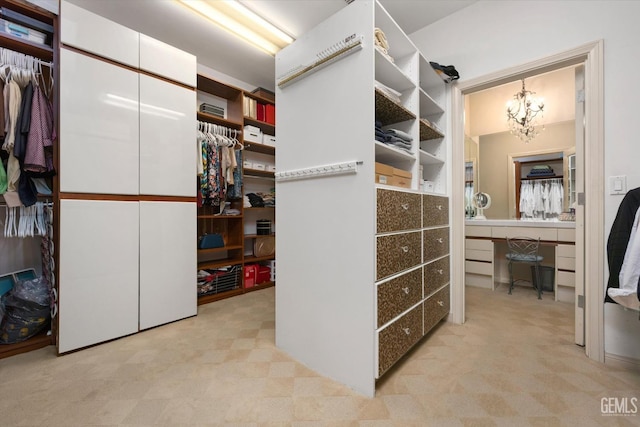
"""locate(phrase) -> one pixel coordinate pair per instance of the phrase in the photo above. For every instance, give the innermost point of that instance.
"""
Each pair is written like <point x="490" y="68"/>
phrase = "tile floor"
<point x="513" y="363"/>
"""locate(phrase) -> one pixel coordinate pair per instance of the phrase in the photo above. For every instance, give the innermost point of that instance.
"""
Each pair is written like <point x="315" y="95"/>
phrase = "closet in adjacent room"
<point x="28" y="183"/>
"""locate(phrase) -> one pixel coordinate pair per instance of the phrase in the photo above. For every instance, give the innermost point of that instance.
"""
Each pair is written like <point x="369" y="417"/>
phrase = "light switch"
<point x="618" y="184"/>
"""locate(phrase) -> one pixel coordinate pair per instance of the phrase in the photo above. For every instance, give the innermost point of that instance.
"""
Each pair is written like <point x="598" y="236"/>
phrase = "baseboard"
<point x="622" y="362"/>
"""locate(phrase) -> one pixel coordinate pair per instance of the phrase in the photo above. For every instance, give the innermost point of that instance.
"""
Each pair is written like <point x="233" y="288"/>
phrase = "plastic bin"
<point x="547" y="277"/>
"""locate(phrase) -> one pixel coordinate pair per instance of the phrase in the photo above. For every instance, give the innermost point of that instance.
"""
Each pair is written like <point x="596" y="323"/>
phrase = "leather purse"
<point x="210" y="241"/>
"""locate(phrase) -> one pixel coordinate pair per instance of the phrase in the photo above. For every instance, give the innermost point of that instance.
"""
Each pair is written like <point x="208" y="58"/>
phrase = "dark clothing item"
<point x="619" y="238"/>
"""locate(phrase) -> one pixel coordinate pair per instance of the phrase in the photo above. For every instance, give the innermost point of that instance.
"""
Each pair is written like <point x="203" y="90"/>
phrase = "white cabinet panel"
<point x="168" y="263"/>
<point x="167" y="61"/>
<point x="479" y="267"/>
<point x="479" y="244"/>
<point x="477" y="231"/>
<point x="98" y="272"/>
<point x="167" y="138"/>
<point x="478" y="255"/>
<point x="93" y="33"/>
<point x="98" y="126"/>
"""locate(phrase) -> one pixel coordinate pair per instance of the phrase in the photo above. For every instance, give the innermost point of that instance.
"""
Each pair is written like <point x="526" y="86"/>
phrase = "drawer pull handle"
<point x="405" y="206"/>
<point x="406" y="290"/>
<point x="405" y="249"/>
<point x="439" y="207"/>
<point x="440" y="240"/>
<point x="441" y="303"/>
<point x="439" y="271"/>
<point x="407" y="331"/>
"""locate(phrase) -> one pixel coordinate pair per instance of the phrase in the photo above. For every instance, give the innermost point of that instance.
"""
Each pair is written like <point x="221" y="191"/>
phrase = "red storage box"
<point x="250" y="275"/>
<point x="264" y="274"/>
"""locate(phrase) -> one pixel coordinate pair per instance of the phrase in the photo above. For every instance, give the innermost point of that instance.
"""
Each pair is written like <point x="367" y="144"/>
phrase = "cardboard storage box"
<point x="401" y="178"/>
<point x="384" y="174"/>
<point x="269" y="140"/>
<point x="252" y="134"/>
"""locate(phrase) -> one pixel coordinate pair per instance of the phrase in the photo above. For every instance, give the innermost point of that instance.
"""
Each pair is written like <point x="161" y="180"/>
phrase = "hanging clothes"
<point x="41" y="135"/>
<point x="623" y="253"/>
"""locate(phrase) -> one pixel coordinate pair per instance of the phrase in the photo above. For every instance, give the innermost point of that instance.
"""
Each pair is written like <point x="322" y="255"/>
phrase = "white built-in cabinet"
<point x="127" y="168"/>
<point x="339" y="272"/>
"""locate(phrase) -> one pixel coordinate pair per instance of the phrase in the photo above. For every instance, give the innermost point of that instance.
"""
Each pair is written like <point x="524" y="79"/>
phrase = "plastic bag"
<point x="26" y="311"/>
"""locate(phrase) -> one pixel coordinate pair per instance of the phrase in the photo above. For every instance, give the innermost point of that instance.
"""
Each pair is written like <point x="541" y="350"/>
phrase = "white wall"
<point x="489" y="36"/>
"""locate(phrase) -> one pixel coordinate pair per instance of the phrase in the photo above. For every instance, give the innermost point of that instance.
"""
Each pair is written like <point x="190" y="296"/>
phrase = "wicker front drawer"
<point x="436" y="308"/>
<point x="436" y="274"/>
<point x="435" y="210"/>
<point x="397" y="252"/>
<point x="398" y="210"/>
<point x="436" y="243"/>
<point x="397" y="295"/>
<point x="397" y="338"/>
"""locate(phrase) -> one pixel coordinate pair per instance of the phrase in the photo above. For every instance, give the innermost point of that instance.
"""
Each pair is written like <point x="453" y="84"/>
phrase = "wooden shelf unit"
<point x="232" y="227"/>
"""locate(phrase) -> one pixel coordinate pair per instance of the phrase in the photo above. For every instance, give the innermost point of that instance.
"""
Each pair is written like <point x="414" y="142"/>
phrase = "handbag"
<point x="211" y="241"/>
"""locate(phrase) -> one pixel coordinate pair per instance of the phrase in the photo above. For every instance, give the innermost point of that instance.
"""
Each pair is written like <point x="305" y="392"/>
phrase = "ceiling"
<point x="172" y="23"/>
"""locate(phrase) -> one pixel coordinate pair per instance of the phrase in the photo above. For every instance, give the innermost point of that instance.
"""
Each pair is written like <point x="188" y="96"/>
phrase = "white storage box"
<point x="252" y="134"/>
<point x="269" y="140"/>
<point x="271" y="168"/>
<point x="247" y="164"/>
<point x="17" y="30"/>
<point x="259" y="166"/>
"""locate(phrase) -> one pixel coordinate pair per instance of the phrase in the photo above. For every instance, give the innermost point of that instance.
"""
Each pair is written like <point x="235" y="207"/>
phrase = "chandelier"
<point x="522" y="114"/>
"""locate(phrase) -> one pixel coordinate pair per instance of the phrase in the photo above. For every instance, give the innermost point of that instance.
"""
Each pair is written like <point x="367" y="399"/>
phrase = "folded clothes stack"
<point x="394" y="137"/>
<point x="540" y="171"/>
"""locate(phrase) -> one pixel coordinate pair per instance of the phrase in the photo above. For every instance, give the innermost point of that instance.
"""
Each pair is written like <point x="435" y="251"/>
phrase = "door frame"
<point x="591" y="55"/>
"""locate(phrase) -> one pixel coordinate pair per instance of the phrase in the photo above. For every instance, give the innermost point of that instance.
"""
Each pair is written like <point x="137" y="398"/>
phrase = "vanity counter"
<point x="519" y="223"/>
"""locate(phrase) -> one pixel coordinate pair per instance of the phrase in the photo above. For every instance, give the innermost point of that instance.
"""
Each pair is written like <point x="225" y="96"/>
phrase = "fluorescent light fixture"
<point x="235" y="18"/>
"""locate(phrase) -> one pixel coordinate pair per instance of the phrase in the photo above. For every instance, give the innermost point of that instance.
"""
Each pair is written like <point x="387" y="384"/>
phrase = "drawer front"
<point x="396" y="253"/>
<point x="477" y="231"/>
<point x="548" y="234"/>
<point x="566" y="234"/>
<point x="436" y="274"/>
<point x="566" y="278"/>
<point x="436" y="243"/>
<point x="479" y="244"/>
<point x="475" y="267"/>
<point x="566" y="263"/>
<point x="567" y="251"/>
<point x="397" y="210"/>
<point x="397" y="295"/>
<point x="475" y="255"/>
<point x="435" y="210"/>
<point x="396" y="339"/>
<point x="436" y="308"/>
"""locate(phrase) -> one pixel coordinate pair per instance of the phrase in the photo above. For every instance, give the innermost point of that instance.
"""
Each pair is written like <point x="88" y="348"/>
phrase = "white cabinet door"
<point x="167" y="61"/>
<point x="168" y="262"/>
<point x="93" y="33"/>
<point x="98" y="272"/>
<point x="99" y="128"/>
<point x="167" y="138"/>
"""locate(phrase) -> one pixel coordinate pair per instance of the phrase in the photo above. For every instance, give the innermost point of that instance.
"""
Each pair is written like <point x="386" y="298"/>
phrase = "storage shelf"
<point x="204" y="265"/>
<point x="430" y="159"/>
<point x="213" y="87"/>
<point x="210" y="118"/>
<point x="428" y="106"/>
<point x="253" y="236"/>
<point x="251" y="258"/>
<point x="390" y="75"/>
<point x="259" y="173"/>
<point x="262" y="99"/>
<point x="39" y="341"/>
<point x="260" y="148"/>
<point x="391" y="155"/>
<point x="219" y="216"/>
<point x="535" y="178"/>
<point x="263" y="207"/>
<point x="265" y="127"/>
<point x="27" y="47"/>
<point x="389" y="112"/>
<point x="261" y="286"/>
<point x="428" y="131"/>
<point x="222" y="249"/>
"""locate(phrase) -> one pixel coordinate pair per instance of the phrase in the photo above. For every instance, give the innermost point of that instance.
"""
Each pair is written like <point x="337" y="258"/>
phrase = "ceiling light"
<point x="235" y="18"/>
<point x="522" y="113"/>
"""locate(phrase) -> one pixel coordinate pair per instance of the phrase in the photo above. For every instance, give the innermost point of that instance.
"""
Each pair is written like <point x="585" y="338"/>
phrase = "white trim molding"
<point x="591" y="55"/>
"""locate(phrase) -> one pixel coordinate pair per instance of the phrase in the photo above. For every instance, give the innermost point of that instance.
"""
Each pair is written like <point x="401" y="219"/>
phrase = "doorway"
<point x="590" y="228"/>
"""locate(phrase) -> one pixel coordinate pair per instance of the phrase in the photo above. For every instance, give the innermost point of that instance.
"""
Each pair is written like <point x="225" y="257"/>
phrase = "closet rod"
<point x="25" y="58"/>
